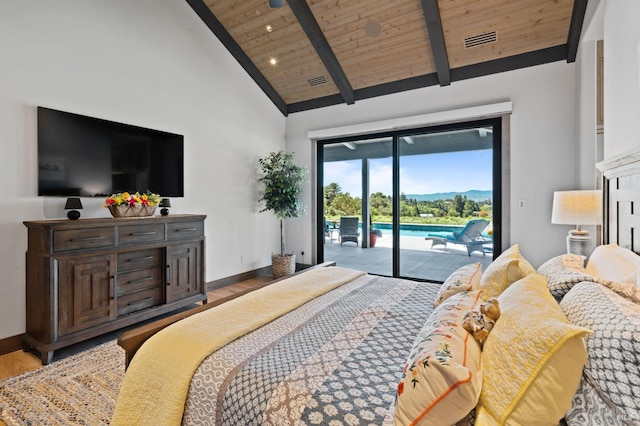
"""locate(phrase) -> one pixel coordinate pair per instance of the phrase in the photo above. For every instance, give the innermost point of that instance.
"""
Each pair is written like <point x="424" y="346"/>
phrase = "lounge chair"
<point x="470" y="236"/>
<point x="349" y="229"/>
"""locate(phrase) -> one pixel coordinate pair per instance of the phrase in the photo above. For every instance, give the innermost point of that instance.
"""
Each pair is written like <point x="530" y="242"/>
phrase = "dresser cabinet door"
<point x="183" y="271"/>
<point x="86" y="292"/>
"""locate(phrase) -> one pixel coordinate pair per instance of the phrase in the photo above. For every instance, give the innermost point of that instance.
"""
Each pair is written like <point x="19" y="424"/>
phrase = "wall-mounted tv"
<point x="89" y="157"/>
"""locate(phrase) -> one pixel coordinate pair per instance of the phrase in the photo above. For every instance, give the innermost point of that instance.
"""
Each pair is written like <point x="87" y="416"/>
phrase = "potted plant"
<point x="374" y="233"/>
<point x="283" y="182"/>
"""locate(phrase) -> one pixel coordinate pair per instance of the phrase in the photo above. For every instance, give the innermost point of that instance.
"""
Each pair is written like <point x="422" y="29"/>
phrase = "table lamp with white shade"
<point x="578" y="208"/>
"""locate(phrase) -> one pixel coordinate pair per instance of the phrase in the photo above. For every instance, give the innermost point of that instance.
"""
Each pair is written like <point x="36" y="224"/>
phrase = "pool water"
<point x="415" y="230"/>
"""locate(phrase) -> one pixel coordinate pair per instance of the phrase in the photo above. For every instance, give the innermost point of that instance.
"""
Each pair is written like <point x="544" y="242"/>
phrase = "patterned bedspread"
<point x="335" y="360"/>
<point x="609" y="391"/>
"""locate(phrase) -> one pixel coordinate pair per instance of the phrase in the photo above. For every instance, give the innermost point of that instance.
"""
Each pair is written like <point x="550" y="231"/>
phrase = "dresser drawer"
<point x="139" y="300"/>
<point x="79" y="239"/>
<point x="139" y="280"/>
<point x="137" y="234"/>
<point x="179" y="230"/>
<point x="139" y="259"/>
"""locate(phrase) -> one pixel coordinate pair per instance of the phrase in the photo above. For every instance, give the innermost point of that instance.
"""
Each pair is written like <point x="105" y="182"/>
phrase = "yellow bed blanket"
<point x="156" y="384"/>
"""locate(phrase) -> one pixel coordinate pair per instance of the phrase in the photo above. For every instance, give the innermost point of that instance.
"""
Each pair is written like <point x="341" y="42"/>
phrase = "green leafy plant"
<point x="283" y="182"/>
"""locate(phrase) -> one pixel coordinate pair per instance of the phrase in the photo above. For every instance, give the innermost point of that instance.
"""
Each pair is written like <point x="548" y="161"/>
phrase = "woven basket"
<point x="281" y="266"/>
<point x="138" y="210"/>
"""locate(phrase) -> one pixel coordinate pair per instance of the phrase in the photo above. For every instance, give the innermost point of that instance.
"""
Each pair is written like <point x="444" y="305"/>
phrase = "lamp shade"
<point x="165" y="202"/>
<point x="73" y="203"/>
<point x="577" y="207"/>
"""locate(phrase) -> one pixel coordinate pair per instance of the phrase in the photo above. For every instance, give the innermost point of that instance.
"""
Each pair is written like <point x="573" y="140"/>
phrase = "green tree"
<point x="380" y="204"/>
<point x="345" y="205"/>
<point x="331" y="191"/>
<point x="470" y="208"/>
<point x="458" y="204"/>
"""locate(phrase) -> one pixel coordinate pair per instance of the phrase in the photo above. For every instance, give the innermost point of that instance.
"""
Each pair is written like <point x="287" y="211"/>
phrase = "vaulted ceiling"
<point x="315" y="53"/>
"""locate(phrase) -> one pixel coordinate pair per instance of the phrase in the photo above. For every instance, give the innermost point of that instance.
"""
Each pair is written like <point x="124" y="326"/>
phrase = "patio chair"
<point x="327" y="232"/>
<point x="348" y="229"/>
<point x="469" y="236"/>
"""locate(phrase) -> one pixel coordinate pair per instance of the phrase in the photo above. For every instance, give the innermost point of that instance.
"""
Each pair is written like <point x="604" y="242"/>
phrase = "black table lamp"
<point x="165" y="203"/>
<point x="73" y="205"/>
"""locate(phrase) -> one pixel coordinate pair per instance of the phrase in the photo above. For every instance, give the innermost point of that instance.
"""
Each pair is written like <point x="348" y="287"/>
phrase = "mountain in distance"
<point x="472" y="194"/>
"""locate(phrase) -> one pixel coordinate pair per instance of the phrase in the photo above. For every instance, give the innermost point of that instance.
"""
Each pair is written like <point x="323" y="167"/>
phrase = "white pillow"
<point x="614" y="263"/>
<point x="442" y="379"/>
<point x="465" y="278"/>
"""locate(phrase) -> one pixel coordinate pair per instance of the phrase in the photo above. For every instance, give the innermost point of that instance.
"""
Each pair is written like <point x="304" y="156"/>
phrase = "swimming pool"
<point x="415" y="230"/>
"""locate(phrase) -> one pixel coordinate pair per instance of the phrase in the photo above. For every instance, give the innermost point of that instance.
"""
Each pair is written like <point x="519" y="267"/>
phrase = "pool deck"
<point x="418" y="257"/>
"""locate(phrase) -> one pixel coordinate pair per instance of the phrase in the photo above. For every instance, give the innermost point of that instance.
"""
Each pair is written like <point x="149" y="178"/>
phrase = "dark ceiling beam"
<point x="510" y="63"/>
<point x="577" y="19"/>
<point x="436" y="37"/>
<point x="225" y="38"/>
<point x="307" y="21"/>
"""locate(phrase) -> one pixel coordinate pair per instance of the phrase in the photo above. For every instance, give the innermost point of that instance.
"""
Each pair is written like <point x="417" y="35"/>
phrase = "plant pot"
<point x="281" y="266"/>
<point x="125" y="210"/>
<point x="372" y="240"/>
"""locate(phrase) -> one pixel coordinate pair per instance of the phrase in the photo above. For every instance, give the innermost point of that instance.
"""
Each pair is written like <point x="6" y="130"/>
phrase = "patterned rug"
<point x="80" y="389"/>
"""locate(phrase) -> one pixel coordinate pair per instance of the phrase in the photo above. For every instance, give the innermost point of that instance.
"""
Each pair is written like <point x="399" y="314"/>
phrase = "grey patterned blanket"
<point x="335" y="360"/>
<point x="608" y="394"/>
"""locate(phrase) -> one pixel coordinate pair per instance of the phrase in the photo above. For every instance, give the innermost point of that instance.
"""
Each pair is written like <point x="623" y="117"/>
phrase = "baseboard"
<point x="234" y="279"/>
<point x="11" y="344"/>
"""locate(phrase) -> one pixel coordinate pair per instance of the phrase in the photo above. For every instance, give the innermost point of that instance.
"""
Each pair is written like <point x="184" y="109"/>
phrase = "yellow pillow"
<point x="506" y="269"/>
<point x="532" y="359"/>
<point x="441" y="380"/>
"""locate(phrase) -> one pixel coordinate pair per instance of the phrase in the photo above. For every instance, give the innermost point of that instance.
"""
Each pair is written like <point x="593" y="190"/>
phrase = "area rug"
<point x="78" y="390"/>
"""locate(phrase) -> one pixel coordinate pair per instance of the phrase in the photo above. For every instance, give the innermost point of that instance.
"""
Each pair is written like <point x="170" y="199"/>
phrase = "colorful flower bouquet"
<point x="124" y="204"/>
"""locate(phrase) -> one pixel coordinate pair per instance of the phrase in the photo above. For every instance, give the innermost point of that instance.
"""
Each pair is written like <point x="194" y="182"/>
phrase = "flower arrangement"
<point x="124" y="204"/>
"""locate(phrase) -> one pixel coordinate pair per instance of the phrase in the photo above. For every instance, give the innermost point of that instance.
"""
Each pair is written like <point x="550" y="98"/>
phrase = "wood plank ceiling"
<point x="315" y="53"/>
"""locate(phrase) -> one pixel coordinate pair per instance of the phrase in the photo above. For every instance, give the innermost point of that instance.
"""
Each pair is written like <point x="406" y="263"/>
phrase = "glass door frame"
<point x="497" y="167"/>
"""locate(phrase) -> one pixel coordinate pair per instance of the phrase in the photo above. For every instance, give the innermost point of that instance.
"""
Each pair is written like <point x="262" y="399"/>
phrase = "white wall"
<point x="543" y="143"/>
<point x="621" y="76"/>
<point x="152" y="63"/>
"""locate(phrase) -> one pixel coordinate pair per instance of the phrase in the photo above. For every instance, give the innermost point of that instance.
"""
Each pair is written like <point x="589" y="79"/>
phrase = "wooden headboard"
<point x="621" y="192"/>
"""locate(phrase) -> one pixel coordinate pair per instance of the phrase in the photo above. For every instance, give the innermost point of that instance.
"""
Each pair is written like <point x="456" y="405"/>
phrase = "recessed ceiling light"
<point x="372" y="29"/>
<point x="273" y="61"/>
<point x="269" y="28"/>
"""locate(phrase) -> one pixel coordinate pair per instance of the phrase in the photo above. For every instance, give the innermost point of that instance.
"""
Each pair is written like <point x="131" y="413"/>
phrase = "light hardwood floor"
<point x="16" y="363"/>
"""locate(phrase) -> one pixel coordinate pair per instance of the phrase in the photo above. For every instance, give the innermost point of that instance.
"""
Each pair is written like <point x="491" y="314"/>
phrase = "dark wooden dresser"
<point x="88" y="277"/>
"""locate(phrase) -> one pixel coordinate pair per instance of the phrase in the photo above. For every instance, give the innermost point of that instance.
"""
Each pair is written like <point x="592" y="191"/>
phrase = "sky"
<point x="419" y="174"/>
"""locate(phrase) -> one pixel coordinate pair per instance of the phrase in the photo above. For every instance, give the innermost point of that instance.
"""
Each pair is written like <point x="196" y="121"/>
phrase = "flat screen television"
<point x="89" y="157"/>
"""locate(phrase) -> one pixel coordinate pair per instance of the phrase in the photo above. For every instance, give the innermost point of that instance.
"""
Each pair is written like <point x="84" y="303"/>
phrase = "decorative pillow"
<point x="465" y="278"/>
<point x="563" y="272"/>
<point x="441" y="380"/>
<point x="508" y="268"/>
<point x="532" y="359"/>
<point x="614" y="263"/>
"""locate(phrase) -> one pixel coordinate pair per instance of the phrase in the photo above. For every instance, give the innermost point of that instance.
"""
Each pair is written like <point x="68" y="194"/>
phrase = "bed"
<point x="337" y="346"/>
<point x="348" y="342"/>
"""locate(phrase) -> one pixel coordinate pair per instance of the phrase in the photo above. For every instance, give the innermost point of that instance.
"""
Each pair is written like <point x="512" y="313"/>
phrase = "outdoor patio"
<point x="418" y="259"/>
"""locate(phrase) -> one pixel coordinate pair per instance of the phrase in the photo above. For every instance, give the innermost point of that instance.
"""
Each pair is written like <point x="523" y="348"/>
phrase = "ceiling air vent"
<point x="317" y="81"/>
<point x="480" y="39"/>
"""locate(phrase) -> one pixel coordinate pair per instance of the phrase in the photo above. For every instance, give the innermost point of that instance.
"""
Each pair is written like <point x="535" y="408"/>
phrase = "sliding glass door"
<point x="427" y="201"/>
<point x="357" y="182"/>
<point x="446" y="200"/>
